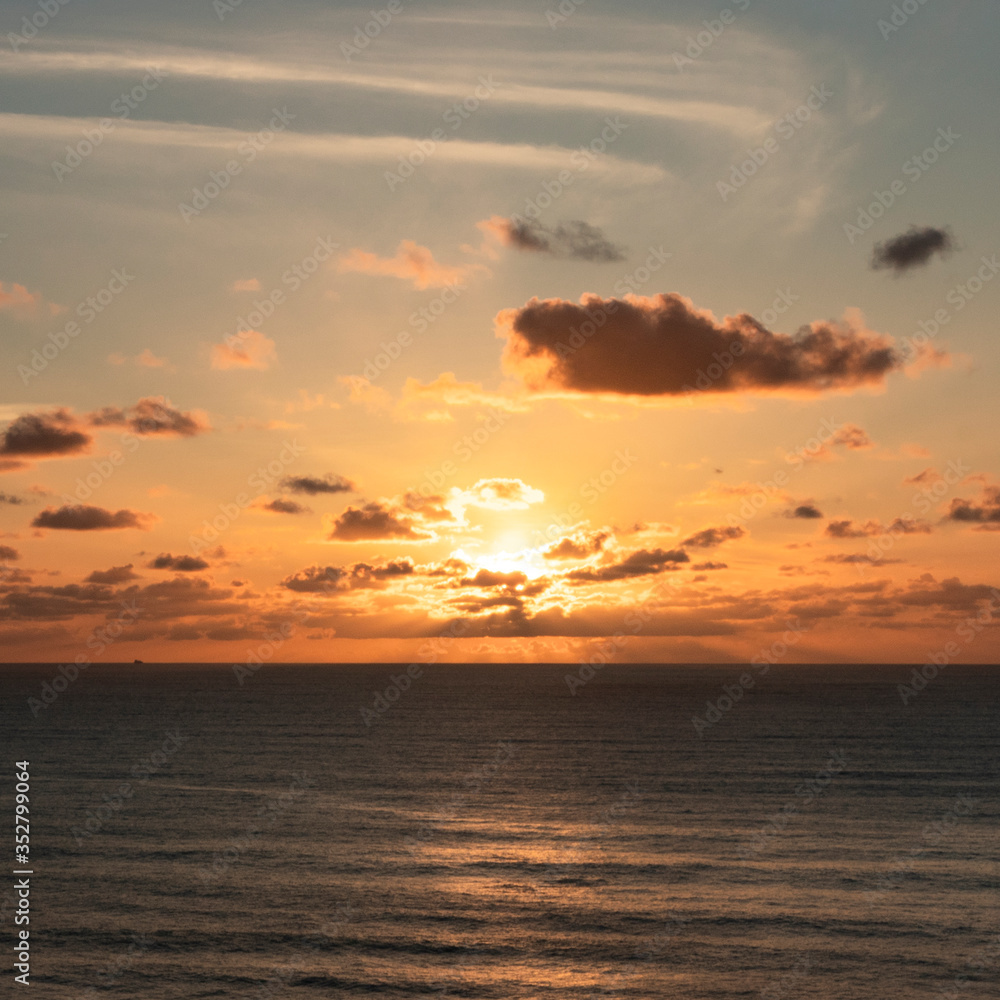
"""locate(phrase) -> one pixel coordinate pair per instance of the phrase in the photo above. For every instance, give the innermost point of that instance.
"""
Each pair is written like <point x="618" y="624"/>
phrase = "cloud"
<point x="641" y="563"/>
<point x="805" y="510"/>
<point x="914" y="248"/>
<point x="282" y="506"/>
<point x="78" y="517"/>
<point x="498" y="494"/>
<point x="182" y="564"/>
<point x="17" y="299"/>
<point x="11" y="500"/>
<point x="249" y="349"/>
<point x="873" y="529"/>
<point x="412" y="263"/>
<point x="700" y="567"/>
<point x="575" y="239"/>
<point x="314" y="485"/>
<point x="710" y="537"/>
<point x="146" y="359"/>
<point x="8" y="554"/>
<point x="44" y="435"/>
<point x="376" y="521"/>
<point x="581" y="545"/>
<point x="245" y="285"/>
<point x="984" y="510"/>
<point x="664" y="346"/>
<point x="488" y="578"/>
<point x="153" y="415"/>
<point x="117" y="574"/>
<point x="319" y="579"/>
<point x="853" y="437"/>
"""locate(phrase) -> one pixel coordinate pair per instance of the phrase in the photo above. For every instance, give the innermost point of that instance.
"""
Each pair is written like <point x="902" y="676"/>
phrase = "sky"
<point x="542" y="331"/>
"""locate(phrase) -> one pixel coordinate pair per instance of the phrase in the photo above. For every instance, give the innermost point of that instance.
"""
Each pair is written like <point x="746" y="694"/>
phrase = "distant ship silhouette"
<point x="137" y="661"/>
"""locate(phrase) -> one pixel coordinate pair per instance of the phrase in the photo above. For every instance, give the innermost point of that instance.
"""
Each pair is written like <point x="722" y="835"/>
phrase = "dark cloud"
<point x="326" y="579"/>
<point x="314" y="485"/>
<point x="709" y="566"/>
<point x="711" y="537"/>
<point x="664" y="346"/>
<point x="78" y="517"/>
<point x="182" y="564"/>
<point x="914" y="248"/>
<point x="153" y="415"/>
<point x="579" y="546"/>
<point x="985" y="510"/>
<point x="281" y="506"/>
<point x="375" y="521"/>
<point x="852" y="436"/>
<point x="42" y="435"/>
<point x="13" y="501"/>
<point x="852" y="558"/>
<point x="641" y="563"/>
<point x="873" y="529"/>
<point x="575" y="239"/>
<point x="805" y="510"/>
<point x="115" y="575"/>
<point x="7" y="553"/>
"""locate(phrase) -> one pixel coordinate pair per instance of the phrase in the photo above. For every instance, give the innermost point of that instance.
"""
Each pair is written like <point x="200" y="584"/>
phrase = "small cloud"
<point x="7" y="554"/>
<point x="375" y="521"/>
<point x="911" y="249"/>
<point x="700" y="567"/>
<point x="44" y="435"/>
<point x="575" y="239"/>
<point x="805" y="511"/>
<point x="182" y="564"/>
<point x="711" y="537"/>
<point x="642" y="563"/>
<point x="11" y="500"/>
<point x="985" y="510"/>
<point x="115" y="575"/>
<point x="412" y="263"/>
<point x="78" y="517"/>
<point x="245" y="285"/>
<point x="147" y="359"/>
<point x="498" y="494"/>
<point x="18" y="300"/>
<point x="314" y="485"/>
<point x="281" y="506"/>
<point x="153" y="415"/>
<point x="249" y="349"/>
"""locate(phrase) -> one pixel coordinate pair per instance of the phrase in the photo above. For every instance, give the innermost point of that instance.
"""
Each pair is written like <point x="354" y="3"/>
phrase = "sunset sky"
<point x="337" y="329"/>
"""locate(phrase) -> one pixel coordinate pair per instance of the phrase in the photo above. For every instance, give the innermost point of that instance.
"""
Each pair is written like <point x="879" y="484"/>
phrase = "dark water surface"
<point x="492" y="835"/>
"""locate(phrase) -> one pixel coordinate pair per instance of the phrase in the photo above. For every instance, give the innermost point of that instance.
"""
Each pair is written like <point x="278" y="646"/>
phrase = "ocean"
<point x="497" y="831"/>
